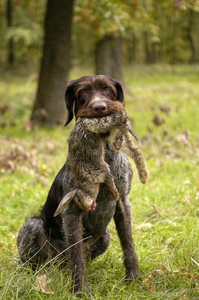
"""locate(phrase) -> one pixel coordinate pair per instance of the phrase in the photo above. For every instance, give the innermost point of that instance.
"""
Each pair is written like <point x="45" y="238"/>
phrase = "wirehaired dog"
<point x="86" y="148"/>
<point x="46" y="236"/>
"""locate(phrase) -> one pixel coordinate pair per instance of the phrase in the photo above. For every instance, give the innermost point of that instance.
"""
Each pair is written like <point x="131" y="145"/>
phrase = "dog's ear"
<point x="70" y="99"/>
<point x="120" y="93"/>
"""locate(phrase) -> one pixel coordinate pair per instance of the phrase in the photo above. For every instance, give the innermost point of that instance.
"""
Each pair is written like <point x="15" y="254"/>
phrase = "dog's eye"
<point x="83" y="93"/>
<point x="107" y="90"/>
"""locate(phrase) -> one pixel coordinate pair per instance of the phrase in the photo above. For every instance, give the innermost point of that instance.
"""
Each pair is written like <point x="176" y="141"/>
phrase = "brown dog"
<point x="46" y="236"/>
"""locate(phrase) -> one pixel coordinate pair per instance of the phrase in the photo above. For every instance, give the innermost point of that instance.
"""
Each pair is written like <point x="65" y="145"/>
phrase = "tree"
<point x="102" y="56"/>
<point x="106" y="20"/>
<point x="108" y="57"/>
<point x="10" y="42"/>
<point x="21" y="34"/>
<point x="49" y="107"/>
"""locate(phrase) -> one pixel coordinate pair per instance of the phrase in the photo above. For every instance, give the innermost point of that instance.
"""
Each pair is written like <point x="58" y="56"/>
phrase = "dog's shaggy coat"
<point x="45" y="236"/>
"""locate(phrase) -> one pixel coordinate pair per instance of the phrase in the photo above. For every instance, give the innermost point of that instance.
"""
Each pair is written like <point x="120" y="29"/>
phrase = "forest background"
<point x="153" y="48"/>
<point x="106" y="35"/>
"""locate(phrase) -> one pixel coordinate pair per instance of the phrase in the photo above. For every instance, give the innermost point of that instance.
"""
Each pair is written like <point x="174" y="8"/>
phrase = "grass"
<point x="165" y="212"/>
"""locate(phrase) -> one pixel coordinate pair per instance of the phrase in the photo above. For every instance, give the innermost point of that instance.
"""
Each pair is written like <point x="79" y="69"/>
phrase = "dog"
<point x="86" y="150"/>
<point x="45" y="236"/>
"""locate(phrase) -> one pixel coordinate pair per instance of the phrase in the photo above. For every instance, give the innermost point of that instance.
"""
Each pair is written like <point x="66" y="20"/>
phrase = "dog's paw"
<point x="132" y="278"/>
<point x="83" y="292"/>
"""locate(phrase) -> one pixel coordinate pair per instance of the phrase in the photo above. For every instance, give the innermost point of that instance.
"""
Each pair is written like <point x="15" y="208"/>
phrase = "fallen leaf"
<point x="12" y="235"/>
<point x="150" y="286"/>
<point x="147" y="278"/>
<point x="183" y="138"/>
<point x="50" y="148"/>
<point x="42" y="285"/>
<point x="166" y="108"/>
<point x="158" y="120"/>
<point x="17" y="154"/>
<point x="4" y="109"/>
<point x="41" y="179"/>
<point x="189" y="275"/>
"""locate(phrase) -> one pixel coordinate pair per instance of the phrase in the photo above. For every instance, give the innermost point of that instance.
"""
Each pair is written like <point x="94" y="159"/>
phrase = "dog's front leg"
<point x="72" y="225"/>
<point x="122" y="219"/>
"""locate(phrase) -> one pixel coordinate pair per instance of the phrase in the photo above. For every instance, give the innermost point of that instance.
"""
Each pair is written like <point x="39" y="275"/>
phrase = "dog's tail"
<point x="65" y="201"/>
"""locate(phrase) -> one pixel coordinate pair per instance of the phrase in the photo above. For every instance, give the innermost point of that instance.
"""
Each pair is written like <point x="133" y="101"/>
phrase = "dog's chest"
<point x="96" y="223"/>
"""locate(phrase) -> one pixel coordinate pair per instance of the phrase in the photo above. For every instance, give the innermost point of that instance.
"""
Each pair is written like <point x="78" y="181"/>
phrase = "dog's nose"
<point x="100" y="107"/>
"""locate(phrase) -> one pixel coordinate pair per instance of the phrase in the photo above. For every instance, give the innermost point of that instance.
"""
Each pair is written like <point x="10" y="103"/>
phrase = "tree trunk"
<point x="147" y="48"/>
<point x="49" y="107"/>
<point x="116" y="58"/>
<point x="190" y="37"/>
<point x="102" y="56"/>
<point x="154" y="52"/>
<point x="173" y="45"/>
<point x="134" y="49"/>
<point x="9" y="22"/>
<point x="131" y="45"/>
<point x="108" y="57"/>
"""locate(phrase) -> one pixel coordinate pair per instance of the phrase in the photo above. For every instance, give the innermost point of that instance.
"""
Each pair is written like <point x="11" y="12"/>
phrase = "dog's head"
<point x="93" y="97"/>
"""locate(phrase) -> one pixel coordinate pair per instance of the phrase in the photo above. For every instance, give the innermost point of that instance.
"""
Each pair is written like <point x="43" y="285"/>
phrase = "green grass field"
<point x="165" y="212"/>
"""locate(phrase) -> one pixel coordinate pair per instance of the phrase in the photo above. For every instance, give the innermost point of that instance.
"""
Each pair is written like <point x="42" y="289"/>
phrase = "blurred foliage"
<point x="25" y="30"/>
<point x="152" y="31"/>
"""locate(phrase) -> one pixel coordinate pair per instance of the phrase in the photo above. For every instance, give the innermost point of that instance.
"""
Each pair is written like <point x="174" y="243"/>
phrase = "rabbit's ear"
<point x="65" y="201"/>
